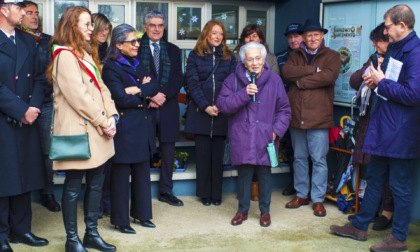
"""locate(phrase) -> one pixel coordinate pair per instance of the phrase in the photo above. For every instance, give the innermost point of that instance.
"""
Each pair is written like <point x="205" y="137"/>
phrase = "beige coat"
<point x="77" y="99"/>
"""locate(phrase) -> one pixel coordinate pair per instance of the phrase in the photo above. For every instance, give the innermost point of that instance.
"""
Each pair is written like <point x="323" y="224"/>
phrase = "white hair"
<point x="248" y="46"/>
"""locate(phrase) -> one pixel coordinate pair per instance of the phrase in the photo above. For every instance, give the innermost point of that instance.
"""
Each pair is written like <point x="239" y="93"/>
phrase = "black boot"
<point x="290" y="189"/>
<point x="93" y="194"/>
<point x="71" y="192"/>
<point x="48" y="201"/>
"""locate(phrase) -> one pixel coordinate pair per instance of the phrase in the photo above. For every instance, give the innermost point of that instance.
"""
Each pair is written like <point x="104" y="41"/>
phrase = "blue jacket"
<point x="135" y="137"/>
<point x="251" y="124"/>
<point x="204" y="93"/>
<point x="394" y="126"/>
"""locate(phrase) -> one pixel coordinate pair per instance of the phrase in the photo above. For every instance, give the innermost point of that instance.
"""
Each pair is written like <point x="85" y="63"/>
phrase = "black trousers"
<point x="167" y="151"/>
<point x="209" y="171"/>
<point x="245" y="173"/>
<point x="141" y="198"/>
<point x="105" y="205"/>
<point x="15" y="215"/>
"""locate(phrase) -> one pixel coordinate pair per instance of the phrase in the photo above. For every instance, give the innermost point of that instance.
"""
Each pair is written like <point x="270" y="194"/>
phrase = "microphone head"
<point x="253" y="74"/>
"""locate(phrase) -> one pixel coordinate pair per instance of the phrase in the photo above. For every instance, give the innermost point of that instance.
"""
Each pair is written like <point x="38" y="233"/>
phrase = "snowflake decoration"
<point x="59" y="15"/>
<point x="259" y="22"/>
<point x="194" y="19"/>
<point x="223" y="16"/>
<point x="182" y="32"/>
<point x="180" y="19"/>
<point x="115" y="19"/>
<point x="230" y="27"/>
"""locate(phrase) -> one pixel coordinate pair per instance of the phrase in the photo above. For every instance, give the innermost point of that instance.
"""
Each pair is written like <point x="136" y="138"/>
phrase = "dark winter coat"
<point x="21" y="86"/>
<point x="359" y="157"/>
<point x="169" y="111"/>
<point x="251" y="124"/>
<point x="204" y="91"/>
<point x="135" y="137"/>
<point x="394" y="126"/>
<point x="312" y="99"/>
<point x="44" y="61"/>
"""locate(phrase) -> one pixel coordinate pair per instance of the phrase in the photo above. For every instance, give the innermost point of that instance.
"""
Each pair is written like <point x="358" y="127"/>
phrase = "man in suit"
<point x="21" y="95"/>
<point x="30" y="25"/>
<point x="163" y="61"/>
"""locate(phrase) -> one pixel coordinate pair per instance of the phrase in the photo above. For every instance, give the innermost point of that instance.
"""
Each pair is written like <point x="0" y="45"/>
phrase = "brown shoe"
<point x="390" y="243"/>
<point x="297" y="202"/>
<point x="319" y="209"/>
<point x="254" y="191"/>
<point x="348" y="230"/>
<point x="265" y="219"/>
<point x="239" y="218"/>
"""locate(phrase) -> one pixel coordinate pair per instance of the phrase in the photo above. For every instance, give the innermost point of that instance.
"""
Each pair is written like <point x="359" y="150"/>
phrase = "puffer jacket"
<point x="204" y="90"/>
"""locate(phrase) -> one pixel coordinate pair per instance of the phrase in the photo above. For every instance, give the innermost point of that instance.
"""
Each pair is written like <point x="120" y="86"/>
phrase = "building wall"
<point x="293" y="11"/>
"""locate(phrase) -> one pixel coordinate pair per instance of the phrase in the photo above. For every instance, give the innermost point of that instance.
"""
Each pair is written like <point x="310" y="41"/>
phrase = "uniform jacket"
<point x="394" y="126"/>
<point x="251" y="125"/>
<point x="169" y="112"/>
<point x="77" y="98"/>
<point x="312" y="101"/>
<point x="205" y="93"/>
<point x="135" y="137"/>
<point x="21" y="86"/>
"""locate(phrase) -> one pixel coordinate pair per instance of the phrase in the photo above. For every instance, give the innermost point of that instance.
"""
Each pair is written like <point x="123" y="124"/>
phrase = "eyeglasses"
<point x="90" y="25"/>
<point x="154" y="26"/>
<point x="133" y="42"/>
<point x="251" y="60"/>
<point x="388" y="26"/>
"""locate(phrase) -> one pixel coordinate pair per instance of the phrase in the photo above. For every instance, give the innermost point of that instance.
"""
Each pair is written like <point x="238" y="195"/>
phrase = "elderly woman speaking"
<point x="253" y="124"/>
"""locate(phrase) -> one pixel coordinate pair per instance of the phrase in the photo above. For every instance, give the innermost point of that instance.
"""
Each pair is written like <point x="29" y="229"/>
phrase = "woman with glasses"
<point x="81" y="103"/>
<point x="254" y="125"/>
<point x="131" y="89"/>
<point x="208" y="65"/>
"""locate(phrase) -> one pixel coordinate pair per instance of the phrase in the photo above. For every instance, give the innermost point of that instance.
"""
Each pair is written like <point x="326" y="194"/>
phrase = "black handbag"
<point x="68" y="147"/>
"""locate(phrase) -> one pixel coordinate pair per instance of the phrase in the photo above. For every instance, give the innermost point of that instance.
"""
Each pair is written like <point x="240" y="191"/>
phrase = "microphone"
<point x="253" y="80"/>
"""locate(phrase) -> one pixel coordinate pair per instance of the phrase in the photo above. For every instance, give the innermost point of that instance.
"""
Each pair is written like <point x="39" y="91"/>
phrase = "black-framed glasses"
<point x="133" y="42"/>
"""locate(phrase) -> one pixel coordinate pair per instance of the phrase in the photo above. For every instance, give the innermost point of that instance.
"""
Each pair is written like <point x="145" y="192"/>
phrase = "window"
<point x="60" y="6"/>
<point x="114" y="13"/>
<point x="188" y="23"/>
<point x="229" y="16"/>
<point x="257" y="17"/>
<point x="142" y="8"/>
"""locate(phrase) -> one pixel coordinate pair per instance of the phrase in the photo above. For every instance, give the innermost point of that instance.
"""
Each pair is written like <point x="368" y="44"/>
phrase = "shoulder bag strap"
<point x="214" y="70"/>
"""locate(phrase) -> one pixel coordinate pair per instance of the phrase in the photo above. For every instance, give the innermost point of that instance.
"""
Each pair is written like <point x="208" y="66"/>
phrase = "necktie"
<point x="156" y="58"/>
<point x="12" y="38"/>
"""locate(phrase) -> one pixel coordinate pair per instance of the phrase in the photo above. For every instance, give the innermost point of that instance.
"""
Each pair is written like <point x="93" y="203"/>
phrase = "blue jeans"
<point x="400" y="184"/>
<point x="44" y="123"/>
<point x="313" y="142"/>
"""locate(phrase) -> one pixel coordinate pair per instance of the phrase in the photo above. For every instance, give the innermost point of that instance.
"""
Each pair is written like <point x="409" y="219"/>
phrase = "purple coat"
<point x="394" y="126"/>
<point x="251" y="125"/>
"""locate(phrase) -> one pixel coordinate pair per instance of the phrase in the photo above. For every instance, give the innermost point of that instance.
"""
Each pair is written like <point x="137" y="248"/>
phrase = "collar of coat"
<point x="218" y="50"/>
<point x="408" y="43"/>
<point x="264" y="77"/>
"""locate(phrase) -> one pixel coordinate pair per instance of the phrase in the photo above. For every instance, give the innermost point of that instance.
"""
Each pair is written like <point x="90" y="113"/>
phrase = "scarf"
<point x="37" y="34"/>
<point x="124" y="61"/>
<point x="145" y="54"/>
<point x="376" y="100"/>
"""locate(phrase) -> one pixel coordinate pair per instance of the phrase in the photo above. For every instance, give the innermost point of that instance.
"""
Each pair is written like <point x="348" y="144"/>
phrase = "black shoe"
<point x="217" y="202"/>
<point x="50" y="203"/>
<point x="170" y="198"/>
<point x="382" y="223"/>
<point x="125" y="229"/>
<point x="351" y="217"/>
<point x="147" y="223"/>
<point x="28" y="239"/>
<point x="5" y="246"/>
<point x="206" y="201"/>
<point x="95" y="241"/>
<point x="289" y="190"/>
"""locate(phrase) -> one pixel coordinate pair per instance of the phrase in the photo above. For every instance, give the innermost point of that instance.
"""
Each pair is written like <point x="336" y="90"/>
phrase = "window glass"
<point x="188" y="23"/>
<point x="143" y="8"/>
<point x="257" y="17"/>
<point x="60" y="6"/>
<point x="229" y="16"/>
<point x="114" y="13"/>
<point x="41" y="15"/>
